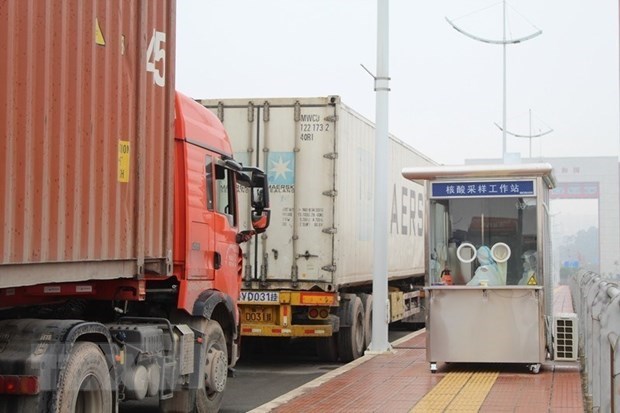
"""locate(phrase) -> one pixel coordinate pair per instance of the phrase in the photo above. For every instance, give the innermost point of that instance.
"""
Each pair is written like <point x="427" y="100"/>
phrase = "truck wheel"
<point x="207" y="398"/>
<point x="327" y="348"/>
<point x="85" y="384"/>
<point x="367" y="302"/>
<point x="351" y="339"/>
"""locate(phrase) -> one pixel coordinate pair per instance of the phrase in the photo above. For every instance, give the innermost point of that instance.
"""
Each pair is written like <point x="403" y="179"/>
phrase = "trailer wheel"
<point x="367" y="301"/>
<point x="327" y="348"/>
<point x="85" y="384"/>
<point x="351" y="338"/>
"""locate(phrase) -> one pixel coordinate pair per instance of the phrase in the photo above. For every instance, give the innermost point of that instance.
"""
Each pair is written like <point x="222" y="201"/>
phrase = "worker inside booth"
<point x="483" y="241"/>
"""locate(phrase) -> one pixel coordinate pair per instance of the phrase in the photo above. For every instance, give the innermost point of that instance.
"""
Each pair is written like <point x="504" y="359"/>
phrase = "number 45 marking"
<point x="154" y="54"/>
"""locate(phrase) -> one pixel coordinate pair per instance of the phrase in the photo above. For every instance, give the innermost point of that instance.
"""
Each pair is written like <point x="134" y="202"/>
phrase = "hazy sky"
<point x="446" y="88"/>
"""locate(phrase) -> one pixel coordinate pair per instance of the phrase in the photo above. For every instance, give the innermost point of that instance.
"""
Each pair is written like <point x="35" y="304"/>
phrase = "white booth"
<point x="488" y="283"/>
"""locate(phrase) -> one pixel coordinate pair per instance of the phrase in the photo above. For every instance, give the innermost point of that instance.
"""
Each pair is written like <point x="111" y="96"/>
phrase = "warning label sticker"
<point x="99" y="39"/>
<point x="123" y="161"/>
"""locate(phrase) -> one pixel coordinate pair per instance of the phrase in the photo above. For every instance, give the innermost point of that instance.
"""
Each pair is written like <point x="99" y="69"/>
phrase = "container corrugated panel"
<point x="86" y="126"/>
<point x="319" y="155"/>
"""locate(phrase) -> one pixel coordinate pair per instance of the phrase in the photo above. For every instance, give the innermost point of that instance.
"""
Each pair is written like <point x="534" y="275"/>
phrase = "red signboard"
<point x="576" y="190"/>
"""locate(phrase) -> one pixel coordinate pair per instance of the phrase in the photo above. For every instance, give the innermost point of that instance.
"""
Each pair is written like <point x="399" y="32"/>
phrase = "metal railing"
<point x="597" y="303"/>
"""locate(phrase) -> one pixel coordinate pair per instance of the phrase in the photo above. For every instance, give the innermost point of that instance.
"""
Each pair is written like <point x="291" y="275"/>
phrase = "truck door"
<point x="214" y="253"/>
<point x="226" y="222"/>
<point x="202" y="217"/>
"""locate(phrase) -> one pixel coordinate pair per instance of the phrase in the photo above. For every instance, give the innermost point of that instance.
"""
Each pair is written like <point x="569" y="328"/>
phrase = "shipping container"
<point x="119" y="251"/>
<point x="319" y="154"/>
<point x="87" y="135"/>
<point x="310" y="274"/>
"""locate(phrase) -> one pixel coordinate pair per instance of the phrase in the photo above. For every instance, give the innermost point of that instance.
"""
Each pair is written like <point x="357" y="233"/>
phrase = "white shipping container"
<point x="319" y="155"/>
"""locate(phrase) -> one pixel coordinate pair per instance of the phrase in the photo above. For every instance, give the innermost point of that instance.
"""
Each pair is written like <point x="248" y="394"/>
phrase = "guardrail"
<point x="597" y="303"/>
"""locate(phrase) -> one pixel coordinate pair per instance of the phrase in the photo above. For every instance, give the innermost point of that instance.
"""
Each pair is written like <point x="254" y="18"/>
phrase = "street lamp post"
<point x="503" y="42"/>
<point x="379" y="340"/>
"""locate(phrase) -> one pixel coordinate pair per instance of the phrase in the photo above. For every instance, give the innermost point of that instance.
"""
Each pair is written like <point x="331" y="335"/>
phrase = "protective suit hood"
<point x="484" y="256"/>
<point x="488" y="272"/>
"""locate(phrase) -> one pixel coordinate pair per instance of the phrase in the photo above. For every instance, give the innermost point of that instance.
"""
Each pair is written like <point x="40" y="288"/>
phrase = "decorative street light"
<point x="503" y="42"/>
<point x="530" y="135"/>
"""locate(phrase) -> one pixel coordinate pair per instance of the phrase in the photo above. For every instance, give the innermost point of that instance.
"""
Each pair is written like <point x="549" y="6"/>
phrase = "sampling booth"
<point x="488" y="282"/>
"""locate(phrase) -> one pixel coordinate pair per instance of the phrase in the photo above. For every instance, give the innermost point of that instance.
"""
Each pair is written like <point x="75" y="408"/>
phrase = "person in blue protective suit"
<point x="488" y="272"/>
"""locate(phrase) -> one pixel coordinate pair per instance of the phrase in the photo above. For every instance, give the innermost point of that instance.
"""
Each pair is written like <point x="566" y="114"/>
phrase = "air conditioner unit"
<point x="565" y="337"/>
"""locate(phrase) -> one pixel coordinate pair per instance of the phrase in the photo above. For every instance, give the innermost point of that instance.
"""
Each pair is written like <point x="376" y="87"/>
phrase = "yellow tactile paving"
<point x="442" y="394"/>
<point x="474" y="392"/>
<point x="457" y="392"/>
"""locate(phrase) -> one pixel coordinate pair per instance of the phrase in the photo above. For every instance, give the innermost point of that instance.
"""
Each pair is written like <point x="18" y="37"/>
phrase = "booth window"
<point x="498" y="234"/>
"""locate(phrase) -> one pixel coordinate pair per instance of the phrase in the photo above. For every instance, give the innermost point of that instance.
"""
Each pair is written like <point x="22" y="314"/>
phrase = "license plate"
<point x="262" y="297"/>
<point x="264" y="315"/>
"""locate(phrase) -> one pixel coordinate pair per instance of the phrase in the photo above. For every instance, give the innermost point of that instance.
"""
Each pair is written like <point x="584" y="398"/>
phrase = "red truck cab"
<point x="207" y="233"/>
<point x="206" y="221"/>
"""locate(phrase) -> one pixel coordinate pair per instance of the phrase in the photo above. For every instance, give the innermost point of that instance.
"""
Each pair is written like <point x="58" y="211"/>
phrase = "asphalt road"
<point x="265" y="376"/>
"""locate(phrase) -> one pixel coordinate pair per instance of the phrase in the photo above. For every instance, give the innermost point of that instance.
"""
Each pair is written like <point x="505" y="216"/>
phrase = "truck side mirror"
<point x="256" y="179"/>
<point x="260" y="188"/>
<point x="258" y="199"/>
<point x="260" y="221"/>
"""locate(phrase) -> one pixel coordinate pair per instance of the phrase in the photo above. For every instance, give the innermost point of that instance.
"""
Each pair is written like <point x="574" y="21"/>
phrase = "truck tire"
<point x="367" y="302"/>
<point x="207" y="398"/>
<point x="351" y="338"/>
<point x="85" y="384"/>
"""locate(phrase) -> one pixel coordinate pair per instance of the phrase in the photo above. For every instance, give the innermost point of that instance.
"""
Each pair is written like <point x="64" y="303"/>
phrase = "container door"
<point x="293" y="140"/>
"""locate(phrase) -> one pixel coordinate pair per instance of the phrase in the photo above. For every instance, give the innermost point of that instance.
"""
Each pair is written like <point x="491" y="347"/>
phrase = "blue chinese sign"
<point x="477" y="189"/>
